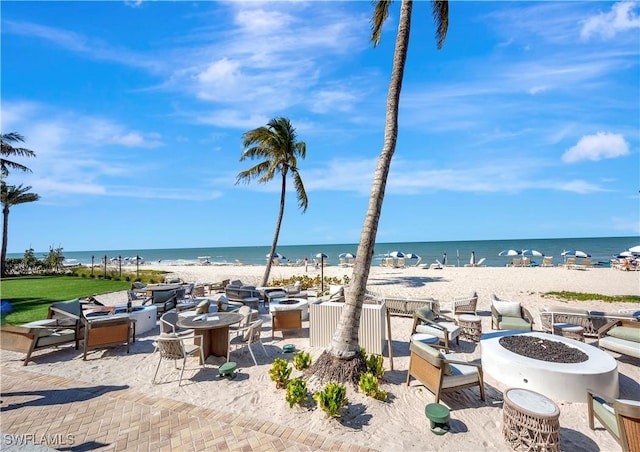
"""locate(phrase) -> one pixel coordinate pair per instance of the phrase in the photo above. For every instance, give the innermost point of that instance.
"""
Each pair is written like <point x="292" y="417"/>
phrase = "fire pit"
<point x="555" y="379"/>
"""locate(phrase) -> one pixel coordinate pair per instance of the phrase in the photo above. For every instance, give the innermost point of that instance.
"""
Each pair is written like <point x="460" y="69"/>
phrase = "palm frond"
<point x="301" y="194"/>
<point x="440" y="11"/>
<point x="380" y="15"/>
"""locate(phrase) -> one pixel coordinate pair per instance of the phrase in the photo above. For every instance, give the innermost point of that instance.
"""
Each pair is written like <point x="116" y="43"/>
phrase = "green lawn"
<point x="30" y="297"/>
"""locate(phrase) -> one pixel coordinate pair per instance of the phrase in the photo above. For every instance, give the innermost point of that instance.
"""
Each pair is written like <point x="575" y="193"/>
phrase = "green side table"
<point x="228" y="369"/>
<point x="439" y="417"/>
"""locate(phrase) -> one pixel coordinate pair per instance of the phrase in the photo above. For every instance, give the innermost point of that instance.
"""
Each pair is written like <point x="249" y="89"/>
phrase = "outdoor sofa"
<point x="591" y="321"/>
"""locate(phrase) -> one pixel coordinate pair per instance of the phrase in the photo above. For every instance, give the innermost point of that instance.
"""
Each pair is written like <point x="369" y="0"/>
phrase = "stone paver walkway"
<point x="65" y="414"/>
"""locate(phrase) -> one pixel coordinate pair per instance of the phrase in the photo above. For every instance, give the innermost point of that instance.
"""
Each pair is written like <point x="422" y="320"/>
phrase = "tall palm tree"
<point x="7" y="149"/>
<point x="11" y="195"/>
<point x="277" y="146"/>
<point x="342" y="360"/>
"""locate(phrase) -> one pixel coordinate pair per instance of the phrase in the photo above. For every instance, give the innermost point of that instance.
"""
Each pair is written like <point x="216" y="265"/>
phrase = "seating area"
<point x="591" y="321"/>
<point x="621" y="418"/>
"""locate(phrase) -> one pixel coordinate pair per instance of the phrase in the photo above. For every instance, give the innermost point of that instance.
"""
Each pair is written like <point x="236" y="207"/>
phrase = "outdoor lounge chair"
<point x="64" y="325"/>
<point x="164" y="300"/>
<point x="510" y="315"/>
<point x="168" y="325"/>
<point x="442" y="373"/>
<point x="465" y="305"/>
<point x="621" y="418"/>
<point x="444" y="328"/>
<point x="109" y="330"/>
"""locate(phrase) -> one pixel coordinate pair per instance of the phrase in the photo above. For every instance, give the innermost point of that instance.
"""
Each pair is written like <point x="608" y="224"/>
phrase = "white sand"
<point x="398" y="424"/>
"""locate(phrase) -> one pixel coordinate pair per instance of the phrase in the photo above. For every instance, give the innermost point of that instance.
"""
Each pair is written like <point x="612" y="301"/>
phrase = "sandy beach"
<point x="399" y="423"/>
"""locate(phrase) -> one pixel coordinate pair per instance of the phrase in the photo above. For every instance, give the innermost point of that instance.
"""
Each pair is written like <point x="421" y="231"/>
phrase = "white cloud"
<point x="596" y="147"/>
<point x="622" y="17"/>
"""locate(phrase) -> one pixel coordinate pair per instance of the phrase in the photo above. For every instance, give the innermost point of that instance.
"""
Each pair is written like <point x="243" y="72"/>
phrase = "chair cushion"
<point x="514" y="323"/>
<point x="460" y="375"/>
<point x="438" y="330"/>
<point x="425" y="313"/>
<point x="606" y="414"/>
<point x="431" y="355"/>
<point x="70" y="306"/>
<point x="55" y="337"/>
<point x="625" y="332"/>
<point x="508" y="308"/>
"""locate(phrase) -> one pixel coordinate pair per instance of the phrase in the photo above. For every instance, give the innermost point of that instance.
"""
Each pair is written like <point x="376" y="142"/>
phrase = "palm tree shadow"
<point x="355" y="416"/>
<point x="56" y="396"/>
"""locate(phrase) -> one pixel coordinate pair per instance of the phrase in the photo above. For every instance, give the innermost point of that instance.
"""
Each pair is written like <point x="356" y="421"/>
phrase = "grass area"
<point x="30" y="297"/>
<point x="578" y="296"/>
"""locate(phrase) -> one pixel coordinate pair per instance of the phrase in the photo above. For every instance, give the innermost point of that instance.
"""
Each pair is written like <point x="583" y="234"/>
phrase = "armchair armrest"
<point x="528" y="315"/>
<point x="603" y="329"/>
<point x="464" y="363"/>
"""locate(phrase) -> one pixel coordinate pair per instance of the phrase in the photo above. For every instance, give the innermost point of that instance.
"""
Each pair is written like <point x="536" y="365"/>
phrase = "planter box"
<point x="324" y="318"/>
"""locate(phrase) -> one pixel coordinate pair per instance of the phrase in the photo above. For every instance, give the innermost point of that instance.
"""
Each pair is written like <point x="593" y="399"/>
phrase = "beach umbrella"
<point x="532" y="253"/>
<point x="444" y="259"/>
<point x="276" y="256"/>
<point x="575" y="253"/>
<point x="413" y="256"/>
<point x="322" y="257"/>
<point x="625" y="254"/>
<point x="347" y="255"/>
<point x="472" y="259"/>
<point x="509" y="253"/>
<point x="635" y="250"/>
<point x="396" y="254"/>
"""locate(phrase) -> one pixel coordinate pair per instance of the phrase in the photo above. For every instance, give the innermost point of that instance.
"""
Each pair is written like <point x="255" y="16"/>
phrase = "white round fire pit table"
<point x="558" y="381"/>
<point x="284" y="304"/>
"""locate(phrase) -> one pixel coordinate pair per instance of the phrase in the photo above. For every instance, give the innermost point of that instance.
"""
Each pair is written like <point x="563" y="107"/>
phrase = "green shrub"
<point x="296" y="392"/>
<point x="332" y="398"/>
<point x="301" y="360"/>
<point x="375" y="365"/>
<point x="280" y="372"/>
<point x="368" y="384"/>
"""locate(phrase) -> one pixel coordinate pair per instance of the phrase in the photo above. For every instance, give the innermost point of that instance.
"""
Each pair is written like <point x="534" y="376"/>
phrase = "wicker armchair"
<point x="621" y="418"/>
<point x="465" y="305"/>
<point x="444" y="328"/>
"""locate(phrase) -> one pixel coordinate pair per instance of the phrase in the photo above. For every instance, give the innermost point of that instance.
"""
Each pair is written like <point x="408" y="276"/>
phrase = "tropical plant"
<point x="332" y="398"/>
<point x="301" y="360"/>
<point x="280" y="372"/>
<point x="53" y="260"/>
<point x="342" y="360"/>
<point x="368" y="384"/>
<point x="296" y="392"/>
<point x="7" y="150"/>
<point x="10" y="196"/>
<point x="277" y="146"/>
<point x="375" y="365"/>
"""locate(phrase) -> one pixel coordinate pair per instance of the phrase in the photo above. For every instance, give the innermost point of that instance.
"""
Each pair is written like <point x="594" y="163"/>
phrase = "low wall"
<point x="324" y="318"/>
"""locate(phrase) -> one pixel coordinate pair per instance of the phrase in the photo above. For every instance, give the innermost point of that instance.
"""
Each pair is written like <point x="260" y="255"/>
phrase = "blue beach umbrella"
<point x="509" y="253"/>
<point x="575" y="253"/>
<point x="347" y="255"/>
<point x="532" y="253"/>
<point x="396" y="254"/>
<point x="413" y="256"/>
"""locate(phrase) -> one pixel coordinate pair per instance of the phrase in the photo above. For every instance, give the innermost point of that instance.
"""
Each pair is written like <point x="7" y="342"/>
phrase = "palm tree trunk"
<point x="5" y="235"/>
<point x="274" y="244"/>
<point x="344" y="345"/>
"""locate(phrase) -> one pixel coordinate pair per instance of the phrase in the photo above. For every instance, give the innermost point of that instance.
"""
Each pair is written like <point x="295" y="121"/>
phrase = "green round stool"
<point x="228" y="369"/>
<point x="439" y="417"/>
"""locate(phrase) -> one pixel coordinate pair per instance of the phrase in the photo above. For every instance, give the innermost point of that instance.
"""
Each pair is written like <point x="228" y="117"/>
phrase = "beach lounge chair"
<point x="246" y="337"/>
<point x="444" y="328"/>
<point x="621" y="418"/>
<point x="480" y="263"/>
<point x="547" y="261"/>
<point x="173" y="348"/>
<point x="510" y="315"/>
<point x="516" y="262"/>
<point x="442" y="373"/>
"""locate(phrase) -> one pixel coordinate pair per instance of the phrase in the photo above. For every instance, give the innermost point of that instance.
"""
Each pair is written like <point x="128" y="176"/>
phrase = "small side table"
<point x="252" y="302"/>
<point x="530" y="421"/>
<point x="569" y="330"/>
<point x="471" y="326"/>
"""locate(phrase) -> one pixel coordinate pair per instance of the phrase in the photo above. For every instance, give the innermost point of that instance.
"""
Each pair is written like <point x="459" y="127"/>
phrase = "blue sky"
<point x="525" y="124"/>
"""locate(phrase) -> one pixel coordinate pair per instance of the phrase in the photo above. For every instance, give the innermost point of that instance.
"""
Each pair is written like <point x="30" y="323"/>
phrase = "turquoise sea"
<point x="601" y="250"/>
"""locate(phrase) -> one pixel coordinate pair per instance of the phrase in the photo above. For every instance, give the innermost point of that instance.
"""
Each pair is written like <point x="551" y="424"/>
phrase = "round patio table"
<point x="214" y="329"/>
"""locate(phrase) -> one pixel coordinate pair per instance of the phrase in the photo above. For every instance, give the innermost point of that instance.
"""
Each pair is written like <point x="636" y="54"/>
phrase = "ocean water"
<point x="458" y="253"/>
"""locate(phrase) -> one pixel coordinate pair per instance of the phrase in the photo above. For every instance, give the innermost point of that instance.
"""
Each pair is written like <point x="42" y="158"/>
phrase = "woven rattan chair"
<point x="173" y="348"/>
<point x="444" y="328"/>
<point x="621" y="418"/>
<point x="465" y="305"/>
<point x="246" y="337"/>
<point x="168" y="325"/>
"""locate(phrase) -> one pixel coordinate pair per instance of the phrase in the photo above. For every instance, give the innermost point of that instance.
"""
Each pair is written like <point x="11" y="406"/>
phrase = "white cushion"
<point x="336" y="290"/>
<point x="507" y="308"/>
